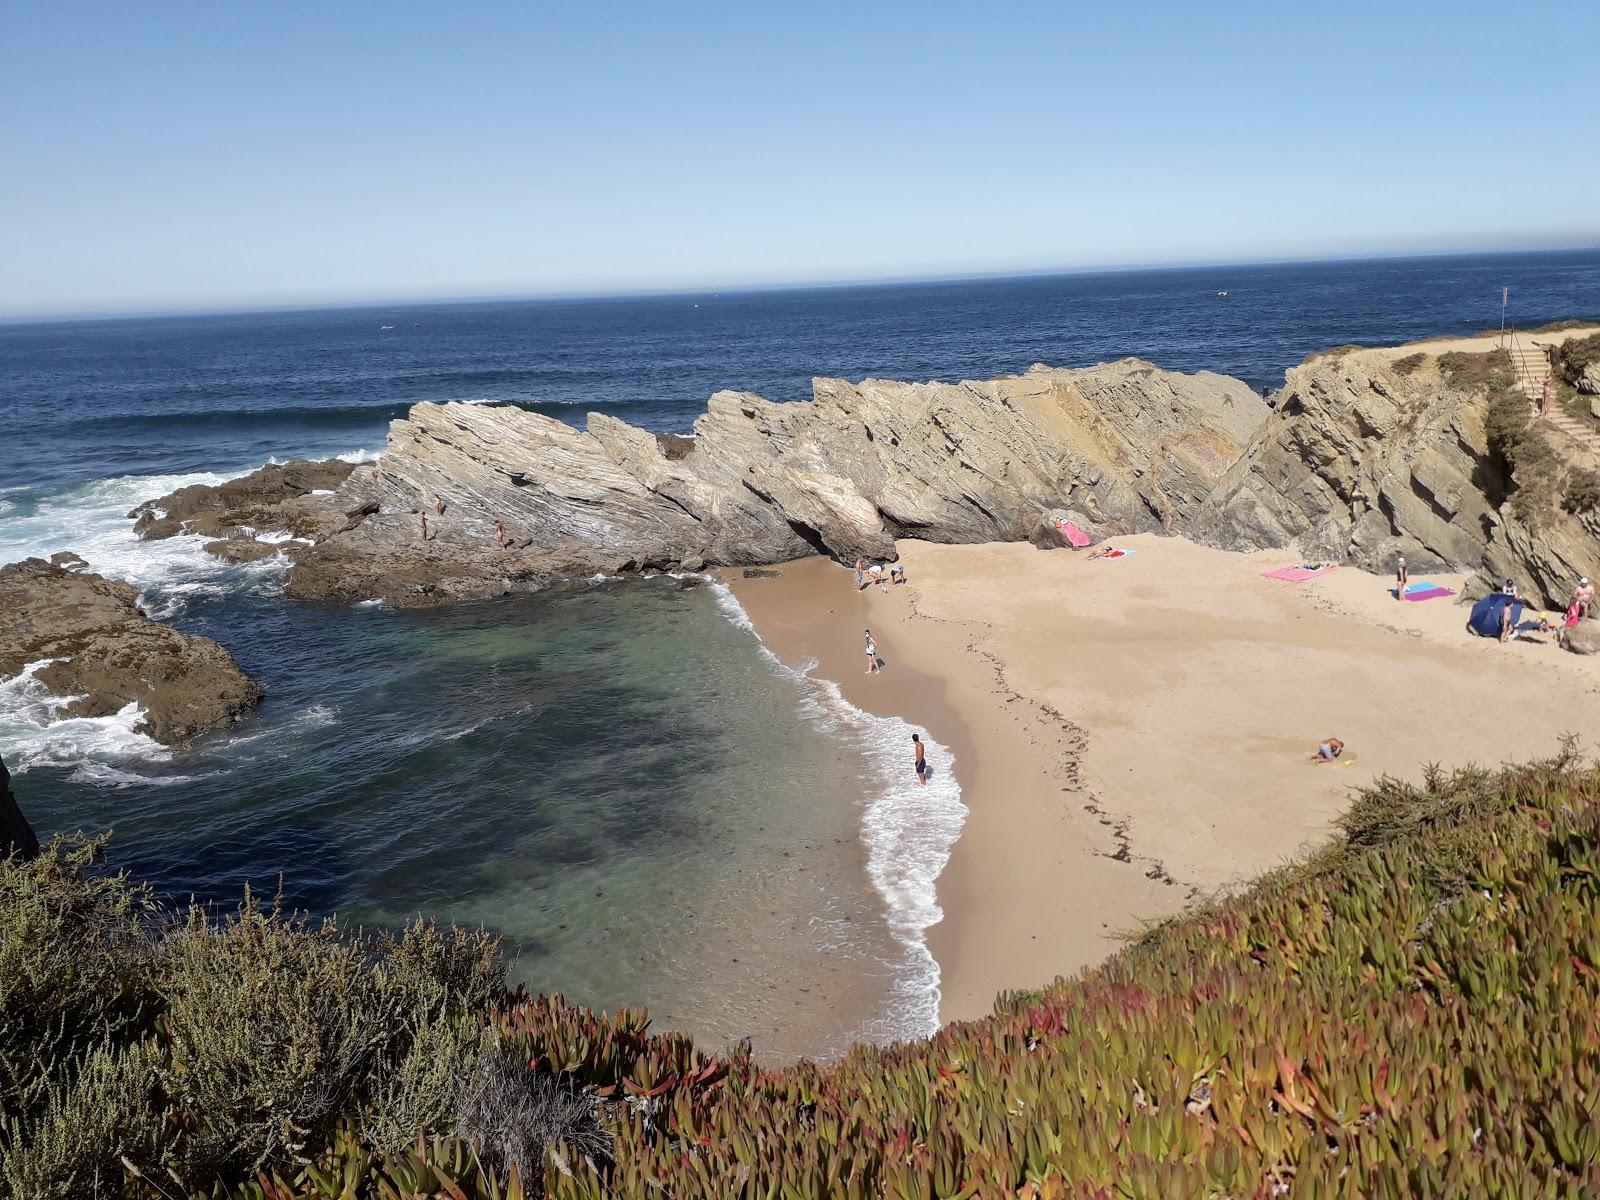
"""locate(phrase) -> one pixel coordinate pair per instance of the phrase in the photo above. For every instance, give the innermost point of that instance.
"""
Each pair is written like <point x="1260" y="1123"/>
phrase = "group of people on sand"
<point x="868" y="574"/>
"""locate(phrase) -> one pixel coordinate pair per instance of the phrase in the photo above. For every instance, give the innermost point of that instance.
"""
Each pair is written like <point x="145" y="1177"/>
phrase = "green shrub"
<point x="1476" y="372"/>
<point x="1577" y="355"/>
<point x="72" y="968"/>
<point x="1582" y="492"/>
<point x="75" y="1148"/>
<point x="280" y="1027"/>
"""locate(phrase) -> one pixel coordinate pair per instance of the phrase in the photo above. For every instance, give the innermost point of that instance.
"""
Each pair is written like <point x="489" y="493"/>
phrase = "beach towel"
<point x="1115" y="554"/>
<point x="1077" y="537"/>
<point x="1425" y="590"/>
<point x="1300" y="573"/>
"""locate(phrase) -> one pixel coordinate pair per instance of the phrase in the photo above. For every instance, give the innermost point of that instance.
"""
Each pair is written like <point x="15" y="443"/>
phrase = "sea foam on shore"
<point x="907" y="828"/>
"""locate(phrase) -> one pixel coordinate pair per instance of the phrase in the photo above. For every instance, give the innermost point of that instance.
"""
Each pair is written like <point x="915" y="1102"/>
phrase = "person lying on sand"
<point x="1108" y="548"/>
<point x="1327" y="750"/>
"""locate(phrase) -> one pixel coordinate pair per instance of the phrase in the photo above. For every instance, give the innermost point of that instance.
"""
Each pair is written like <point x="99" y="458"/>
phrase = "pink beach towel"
<point x="1073" y="534"/>
<point x="1299" y="574"/>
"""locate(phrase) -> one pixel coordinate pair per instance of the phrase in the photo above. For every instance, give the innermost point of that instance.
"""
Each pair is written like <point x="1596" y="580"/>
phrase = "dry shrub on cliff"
<point x="1476" y="372"/>
<point x="1409" y="364"/>
<point x="1578" y="355"/>
<point x="1582" y="492"/>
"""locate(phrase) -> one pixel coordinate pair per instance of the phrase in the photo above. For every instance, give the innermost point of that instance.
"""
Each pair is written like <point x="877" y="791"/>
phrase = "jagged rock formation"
<point x="103" y="653"/>
<point x="293" y="497"/>
<point x="16" y="835"/>
<point x="1373" y="453"/>
<point x="1129" y="445"/>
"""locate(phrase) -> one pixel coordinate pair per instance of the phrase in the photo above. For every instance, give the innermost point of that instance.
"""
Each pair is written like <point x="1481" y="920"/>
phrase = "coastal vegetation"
<point x="1414" y="1010"/>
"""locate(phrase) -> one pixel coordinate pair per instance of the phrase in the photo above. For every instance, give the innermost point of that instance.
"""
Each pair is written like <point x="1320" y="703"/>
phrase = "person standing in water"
<point x="872" y="655"/>
<point x="921" y="761"/>
<point x="1400" y="577"/>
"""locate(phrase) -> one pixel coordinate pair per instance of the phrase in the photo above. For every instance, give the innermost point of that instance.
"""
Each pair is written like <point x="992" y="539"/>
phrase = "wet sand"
<point x="1132" y="734"/>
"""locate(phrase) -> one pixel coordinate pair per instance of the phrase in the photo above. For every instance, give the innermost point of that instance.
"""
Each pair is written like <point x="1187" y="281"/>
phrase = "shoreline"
<point x="1130" y="736"/>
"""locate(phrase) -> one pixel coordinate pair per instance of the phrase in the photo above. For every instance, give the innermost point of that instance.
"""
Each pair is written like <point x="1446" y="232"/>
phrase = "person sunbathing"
<point x="1327" y="750"/>
<point x="1108" y="548"/>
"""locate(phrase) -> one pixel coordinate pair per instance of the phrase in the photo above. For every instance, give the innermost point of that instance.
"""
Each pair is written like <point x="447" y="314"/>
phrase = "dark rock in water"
<point x="761" y="573"/>
<point x="68" y="561"/>
<point x="1584" y="637"/>
<point x="107" y="654"/>
<point x="278" y="496"/>
<point x="16" y="835"/>
<point x="247" y="549"/>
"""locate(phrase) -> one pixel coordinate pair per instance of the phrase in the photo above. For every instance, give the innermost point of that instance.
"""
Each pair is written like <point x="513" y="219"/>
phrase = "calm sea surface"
<point x="621" y="781"/>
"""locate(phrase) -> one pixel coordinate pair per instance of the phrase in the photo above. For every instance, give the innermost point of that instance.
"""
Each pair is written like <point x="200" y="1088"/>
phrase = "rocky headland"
<point x="102" y="653"/>
<point x="1429" y="450"/>
<point x="1125" y="445"/>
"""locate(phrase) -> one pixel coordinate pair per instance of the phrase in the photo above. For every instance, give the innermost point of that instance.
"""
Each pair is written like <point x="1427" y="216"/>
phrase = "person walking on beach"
<point x="860" y="566"/>
<point x="1400" y="577"/>
<point x="872" y="655"/>
<point x="921" y="762"/>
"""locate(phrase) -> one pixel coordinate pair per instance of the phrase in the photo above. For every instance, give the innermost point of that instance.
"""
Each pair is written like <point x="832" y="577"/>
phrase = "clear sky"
<point x="174" y="155"/>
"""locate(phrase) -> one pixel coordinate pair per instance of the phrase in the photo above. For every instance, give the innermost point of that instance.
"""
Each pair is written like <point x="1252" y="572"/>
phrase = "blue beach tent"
<point x="1485" y="618"/>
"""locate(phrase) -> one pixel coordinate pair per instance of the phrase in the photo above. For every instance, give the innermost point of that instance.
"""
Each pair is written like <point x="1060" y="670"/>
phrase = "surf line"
<point x="907" y="828"/>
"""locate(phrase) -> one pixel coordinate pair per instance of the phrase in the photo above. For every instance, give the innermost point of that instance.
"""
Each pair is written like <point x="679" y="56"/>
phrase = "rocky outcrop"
<point x="16" y="835"/>
<point x="1129" y="445"/>
<point x="1583" y="638"/>
<point x="1361" y="462"/>
<point x="294" y="498"/>
<point x="102" y="653"/>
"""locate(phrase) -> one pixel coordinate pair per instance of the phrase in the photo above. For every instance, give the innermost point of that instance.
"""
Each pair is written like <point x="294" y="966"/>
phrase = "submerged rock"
<point x="103" y="653"/>
<point x="843" y="474"/>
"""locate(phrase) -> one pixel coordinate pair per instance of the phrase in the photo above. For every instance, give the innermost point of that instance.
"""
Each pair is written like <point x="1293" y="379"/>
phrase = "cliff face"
<point x="1373" y="453"/>
<point x="104" y="653"/>
<point x="1128" y="445"/>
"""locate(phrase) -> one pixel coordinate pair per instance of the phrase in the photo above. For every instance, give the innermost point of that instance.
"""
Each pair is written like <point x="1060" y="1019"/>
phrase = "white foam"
<point x="360" y="456"/>
<point x="908" y="827"/>
<point x="33" y="733"/>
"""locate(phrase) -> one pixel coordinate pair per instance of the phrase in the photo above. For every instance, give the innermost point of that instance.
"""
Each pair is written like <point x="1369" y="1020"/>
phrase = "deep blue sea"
<point x="615" y="780"/>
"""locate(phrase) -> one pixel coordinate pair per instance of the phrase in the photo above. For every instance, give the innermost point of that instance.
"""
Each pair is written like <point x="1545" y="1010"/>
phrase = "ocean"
<point x="647" y="806"/>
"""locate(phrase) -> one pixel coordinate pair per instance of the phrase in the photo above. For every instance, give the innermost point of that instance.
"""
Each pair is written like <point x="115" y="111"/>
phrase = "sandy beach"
<point x="1132" y="734"/>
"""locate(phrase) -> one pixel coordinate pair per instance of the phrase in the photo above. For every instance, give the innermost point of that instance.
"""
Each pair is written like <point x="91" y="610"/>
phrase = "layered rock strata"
<point x="1374" y="453"/>
<point x="102" y="653"/>
<point x="1127" y="445"/>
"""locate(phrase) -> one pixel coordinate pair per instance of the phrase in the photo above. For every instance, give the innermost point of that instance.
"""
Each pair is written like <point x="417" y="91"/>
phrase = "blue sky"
<point x="193" y="155"/>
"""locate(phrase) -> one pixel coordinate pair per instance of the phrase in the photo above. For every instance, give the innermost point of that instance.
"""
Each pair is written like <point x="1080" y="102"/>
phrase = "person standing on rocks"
<point x="1583" y="597"/>
<point x="872" y="655"/>
<point x="1400" y="577"/>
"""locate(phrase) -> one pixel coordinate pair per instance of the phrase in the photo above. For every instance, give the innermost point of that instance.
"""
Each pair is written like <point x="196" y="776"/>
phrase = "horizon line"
<point x="599" y="295"/>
